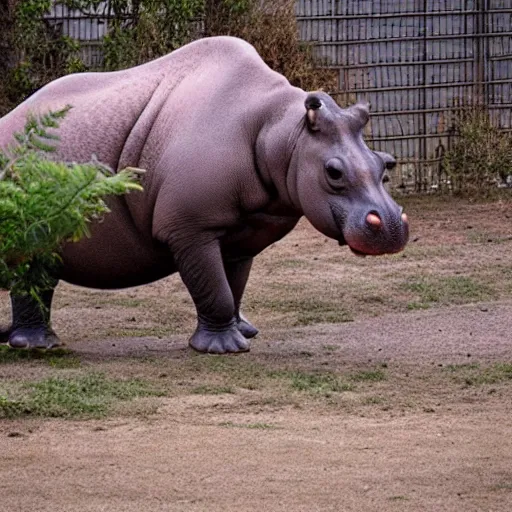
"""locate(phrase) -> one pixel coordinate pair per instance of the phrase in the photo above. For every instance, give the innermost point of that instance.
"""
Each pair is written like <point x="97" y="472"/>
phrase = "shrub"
<point x="480" y="156"/>
<point x="271" y="27"/>
<point x="146" y="29"/>
<point x="40" y="52"/>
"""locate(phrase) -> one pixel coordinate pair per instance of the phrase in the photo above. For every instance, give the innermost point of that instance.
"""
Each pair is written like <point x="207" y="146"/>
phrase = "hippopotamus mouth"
<point x="367" y="240"/>
<point x="342" y="242"/>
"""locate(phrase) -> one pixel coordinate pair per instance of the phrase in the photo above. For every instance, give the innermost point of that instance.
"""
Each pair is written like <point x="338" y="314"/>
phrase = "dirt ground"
<point x="374" y="385"/>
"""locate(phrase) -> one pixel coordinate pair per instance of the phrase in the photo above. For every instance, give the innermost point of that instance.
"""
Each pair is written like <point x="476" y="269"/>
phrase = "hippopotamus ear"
<point x="361" y="113"/>
<point x="314" y="106"/>
<point x="389" y="161"/>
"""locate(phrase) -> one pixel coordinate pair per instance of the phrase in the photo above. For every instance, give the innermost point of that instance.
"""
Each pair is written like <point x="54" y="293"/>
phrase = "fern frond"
<point x="45" y="204"/>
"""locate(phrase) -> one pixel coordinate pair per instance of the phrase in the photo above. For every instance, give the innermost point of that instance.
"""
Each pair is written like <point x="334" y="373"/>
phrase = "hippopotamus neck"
<point x="274" y="153"/>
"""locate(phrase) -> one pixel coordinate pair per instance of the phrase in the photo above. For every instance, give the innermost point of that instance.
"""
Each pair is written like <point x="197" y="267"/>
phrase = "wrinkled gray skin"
<point x="234" y="156"/>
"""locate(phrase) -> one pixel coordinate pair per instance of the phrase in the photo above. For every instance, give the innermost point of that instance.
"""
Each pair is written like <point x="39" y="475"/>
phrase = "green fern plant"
<point x="45" y="203"/>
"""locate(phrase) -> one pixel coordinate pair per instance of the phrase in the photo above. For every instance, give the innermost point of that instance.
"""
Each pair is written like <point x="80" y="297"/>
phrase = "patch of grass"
<point x="10" y="408"/>
<point x="64" y="362"/>
<point x="327" y="316"/>
<point x="125" y="302"/>
<point x="318" y="382"/>
<point x="90" y="395"/>
<point x="373" y="400"/>
<point x="306" y="310"/>
<point x="414" y="306"/>
<point x="499" y="372"/>
<point x="212" y="390"/>
<point x="251" y="426"/>
<point x="290" y="263"/>
<point x="479" y="237"/>
<point x="58" y="358"/>
<point x="446" y="290"/>
<point x="474" y="375"/>
<point x="504" y="486"/>
<point x="368" y="376"/>
<point x="9" y="355"/>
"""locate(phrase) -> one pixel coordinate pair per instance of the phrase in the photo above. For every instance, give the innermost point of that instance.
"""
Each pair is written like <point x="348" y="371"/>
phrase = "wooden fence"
<point x="415" y="61"/>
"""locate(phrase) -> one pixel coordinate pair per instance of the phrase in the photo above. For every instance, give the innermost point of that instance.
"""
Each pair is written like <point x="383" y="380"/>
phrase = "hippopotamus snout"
<point x="375" y="230"/>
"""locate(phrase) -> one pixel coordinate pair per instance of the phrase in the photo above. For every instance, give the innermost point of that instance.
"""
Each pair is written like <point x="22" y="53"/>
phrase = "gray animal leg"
<point x="31" y="326"/>
<point x="202" y="270"/>
<point x="238" y="274"/>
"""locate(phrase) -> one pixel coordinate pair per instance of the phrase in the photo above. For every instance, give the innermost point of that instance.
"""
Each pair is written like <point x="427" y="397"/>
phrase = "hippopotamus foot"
<point x="34" y="338"/>
<point x="245" y="327"/>
<point x="219" y="340"/>
<point x="31" y="327"/>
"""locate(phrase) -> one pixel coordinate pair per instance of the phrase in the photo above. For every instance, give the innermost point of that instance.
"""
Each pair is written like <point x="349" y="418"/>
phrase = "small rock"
<point x="15" y="434"/>
<point x="484" y="309"/>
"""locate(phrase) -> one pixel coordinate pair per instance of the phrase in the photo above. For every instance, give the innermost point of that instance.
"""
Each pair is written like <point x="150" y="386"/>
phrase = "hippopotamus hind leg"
<point x="238" y="274"/>
<point x="31" y="328"/>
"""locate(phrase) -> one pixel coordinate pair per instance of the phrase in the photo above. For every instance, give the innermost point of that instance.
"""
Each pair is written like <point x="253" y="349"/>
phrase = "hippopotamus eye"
<point x="334" y="170"/>
<point x="385" y="178"/>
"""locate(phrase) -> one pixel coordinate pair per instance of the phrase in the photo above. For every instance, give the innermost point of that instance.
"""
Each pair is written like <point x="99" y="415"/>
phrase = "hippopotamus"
<point x="234" y="157"/>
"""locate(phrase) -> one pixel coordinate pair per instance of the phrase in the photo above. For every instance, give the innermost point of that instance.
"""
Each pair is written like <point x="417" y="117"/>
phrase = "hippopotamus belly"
<point x="116" y="255"/>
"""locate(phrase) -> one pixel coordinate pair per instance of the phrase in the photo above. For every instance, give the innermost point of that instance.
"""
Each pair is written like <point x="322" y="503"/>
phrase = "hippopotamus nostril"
<point x="373" y="220"/>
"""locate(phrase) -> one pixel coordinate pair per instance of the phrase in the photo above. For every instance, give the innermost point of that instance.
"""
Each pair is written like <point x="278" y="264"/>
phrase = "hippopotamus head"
<point x="338" y="180"/>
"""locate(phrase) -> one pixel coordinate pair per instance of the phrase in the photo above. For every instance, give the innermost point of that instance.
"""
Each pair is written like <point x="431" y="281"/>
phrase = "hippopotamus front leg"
<point x="237" y="273"/>
<point x="202" y="270"/>
<point x="31" y="326"/>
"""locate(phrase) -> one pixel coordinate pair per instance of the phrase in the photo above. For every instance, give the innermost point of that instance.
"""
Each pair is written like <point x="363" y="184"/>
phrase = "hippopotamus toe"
<point x="245" y="327"/>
